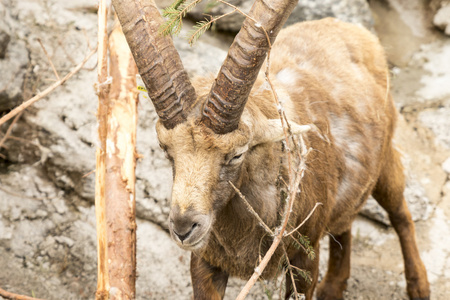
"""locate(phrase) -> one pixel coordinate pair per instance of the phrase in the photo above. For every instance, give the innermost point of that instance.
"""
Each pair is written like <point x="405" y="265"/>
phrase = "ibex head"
<point x="206" y="137"/>
<point x="205" y="164"/>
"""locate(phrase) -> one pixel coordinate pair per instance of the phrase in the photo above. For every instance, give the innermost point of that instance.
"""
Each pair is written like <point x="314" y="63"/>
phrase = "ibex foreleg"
<point x="335" y="281"/>
<point x="301" y="261"/>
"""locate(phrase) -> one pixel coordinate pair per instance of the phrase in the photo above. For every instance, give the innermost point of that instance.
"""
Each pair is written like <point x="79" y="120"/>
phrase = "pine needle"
<point x="175" y="14"/>
<point x="201" y="27"/>
<point x="198" y="30"/>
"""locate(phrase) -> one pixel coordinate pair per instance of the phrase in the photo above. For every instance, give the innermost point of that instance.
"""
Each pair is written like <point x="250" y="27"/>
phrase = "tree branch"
<point x="12" y="296"/>
<point x="47" y="91"/>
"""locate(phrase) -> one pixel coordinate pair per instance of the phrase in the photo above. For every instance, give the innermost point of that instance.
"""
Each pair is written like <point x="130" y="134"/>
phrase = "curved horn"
<point x="233" y="84"/>
<point x="157" y="60"/>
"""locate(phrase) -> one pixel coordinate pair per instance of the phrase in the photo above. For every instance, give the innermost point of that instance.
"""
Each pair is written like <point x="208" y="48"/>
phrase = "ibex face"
<point x="203" y="164"/>
<point x="206" y="164"/>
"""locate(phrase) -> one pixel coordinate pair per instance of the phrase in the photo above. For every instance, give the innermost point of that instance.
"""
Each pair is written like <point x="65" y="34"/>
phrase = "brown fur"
<point x="327" y="73"/>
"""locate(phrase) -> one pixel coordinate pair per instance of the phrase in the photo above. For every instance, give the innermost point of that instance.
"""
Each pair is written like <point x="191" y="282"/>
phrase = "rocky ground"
<point x="47" y="221"/>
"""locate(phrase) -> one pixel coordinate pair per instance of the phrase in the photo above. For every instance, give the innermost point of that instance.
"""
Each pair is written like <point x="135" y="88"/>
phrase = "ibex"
<point x="227" y="130"/>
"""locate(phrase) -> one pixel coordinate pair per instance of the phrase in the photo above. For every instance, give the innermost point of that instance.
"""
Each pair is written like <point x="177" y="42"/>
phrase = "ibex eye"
<point x="237" y="156"/>
<point x="235" y="159"/>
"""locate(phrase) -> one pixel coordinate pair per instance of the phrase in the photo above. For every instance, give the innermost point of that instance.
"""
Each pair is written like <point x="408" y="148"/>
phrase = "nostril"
<point x="187" y="227"/>
<point x="184" y="236"/>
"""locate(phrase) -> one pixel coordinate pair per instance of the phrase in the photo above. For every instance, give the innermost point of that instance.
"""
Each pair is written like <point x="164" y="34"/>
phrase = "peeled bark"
<point x="115" y="178"/>
<point x="120" y="167"/>
<point x="100" y="168"/>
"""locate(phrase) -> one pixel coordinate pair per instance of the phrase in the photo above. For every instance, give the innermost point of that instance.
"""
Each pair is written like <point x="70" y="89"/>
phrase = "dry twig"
<point x="12" y="296"/>
<point x="8" y="132"/>
<point x="250" y="208"/>
<point x="47" y="91"/>
<point x="49" y="60"/>
<point x="306" y="219"/>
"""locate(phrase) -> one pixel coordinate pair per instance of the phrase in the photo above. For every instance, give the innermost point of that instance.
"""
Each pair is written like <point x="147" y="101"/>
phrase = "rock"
<point x="13" y="60"/>
<point x="438" y="121"/>
<point x="65" y="241"/>
<point x="434" y="82"/>
<point x="446" y="166"/>
<point x="442" y="18"/>
<point x="4" y="41"/>
<point x="354" y="11"/>
<point x="13" y="68"/>
<point x="5" y="231"/>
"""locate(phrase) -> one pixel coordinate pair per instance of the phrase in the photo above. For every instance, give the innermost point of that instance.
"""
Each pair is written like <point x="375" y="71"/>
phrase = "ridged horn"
<point x="157" y="60"/>
<point x="229" y="93"/>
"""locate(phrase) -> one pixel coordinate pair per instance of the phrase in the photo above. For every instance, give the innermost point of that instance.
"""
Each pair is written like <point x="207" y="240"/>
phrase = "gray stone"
<point x="65" y="241"/>
<point x="5" y="230"/>
<point x="442" y="18"/>
<point x="354" y="11"/>
<point x="4" y="41"/>
<point x="439" y="122"/>
<point x="446" y="166"/>
<point x="13" y="68"/>
<point x="13" y="59"/>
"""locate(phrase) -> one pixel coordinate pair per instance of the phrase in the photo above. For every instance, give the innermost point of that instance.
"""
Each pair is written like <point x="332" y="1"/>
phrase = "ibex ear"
<point x="273" y="131"/>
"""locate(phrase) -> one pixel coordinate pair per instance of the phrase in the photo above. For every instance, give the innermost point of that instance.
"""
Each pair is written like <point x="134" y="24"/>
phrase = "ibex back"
<point x="326" y="73"/>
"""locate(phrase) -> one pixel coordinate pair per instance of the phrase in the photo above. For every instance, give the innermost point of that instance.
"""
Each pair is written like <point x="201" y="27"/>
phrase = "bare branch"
<point x="47" y="91"/>
<point x="289" y="267"/>
<point x="12" y="296"/>
<point x="306" y="219"/>
<point x="250" y="208"/>
<point x="49" y="59"/>
<point x="8" y="132"/>
<point x="205" y="26"/>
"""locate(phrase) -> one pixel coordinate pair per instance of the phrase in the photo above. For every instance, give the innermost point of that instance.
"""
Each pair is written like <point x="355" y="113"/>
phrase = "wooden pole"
<point x="100" y="168"/>
<point x="116" y="162"/>
<point x="120" y="169"/>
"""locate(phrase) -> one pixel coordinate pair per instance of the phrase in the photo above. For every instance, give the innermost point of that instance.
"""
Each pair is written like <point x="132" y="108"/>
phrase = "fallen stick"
<point x="12" y="296"/>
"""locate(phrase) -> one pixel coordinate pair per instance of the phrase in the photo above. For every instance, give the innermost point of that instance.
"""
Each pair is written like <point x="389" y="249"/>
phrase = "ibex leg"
<point x="302" y="262"/>
<point x="335" y="281"/>
<point x="389" y="193"/>
<point x="209" y="282"/>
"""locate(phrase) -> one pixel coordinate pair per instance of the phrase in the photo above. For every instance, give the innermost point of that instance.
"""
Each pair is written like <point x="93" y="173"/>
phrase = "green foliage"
<point x="306" y="275"/>
<point x="199" y="29"/>
<point x="302" y="241"/>
<point x="175" y="14"/>
<point x="268" y="292"/>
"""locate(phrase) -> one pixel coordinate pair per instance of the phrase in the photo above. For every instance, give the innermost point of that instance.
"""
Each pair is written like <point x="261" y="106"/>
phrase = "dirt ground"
<point x="47" y="220"/>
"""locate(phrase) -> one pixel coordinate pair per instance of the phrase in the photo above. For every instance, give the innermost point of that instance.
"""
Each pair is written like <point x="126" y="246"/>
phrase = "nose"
<point x="183" y="229"/>
<point x="188" y="227"/>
